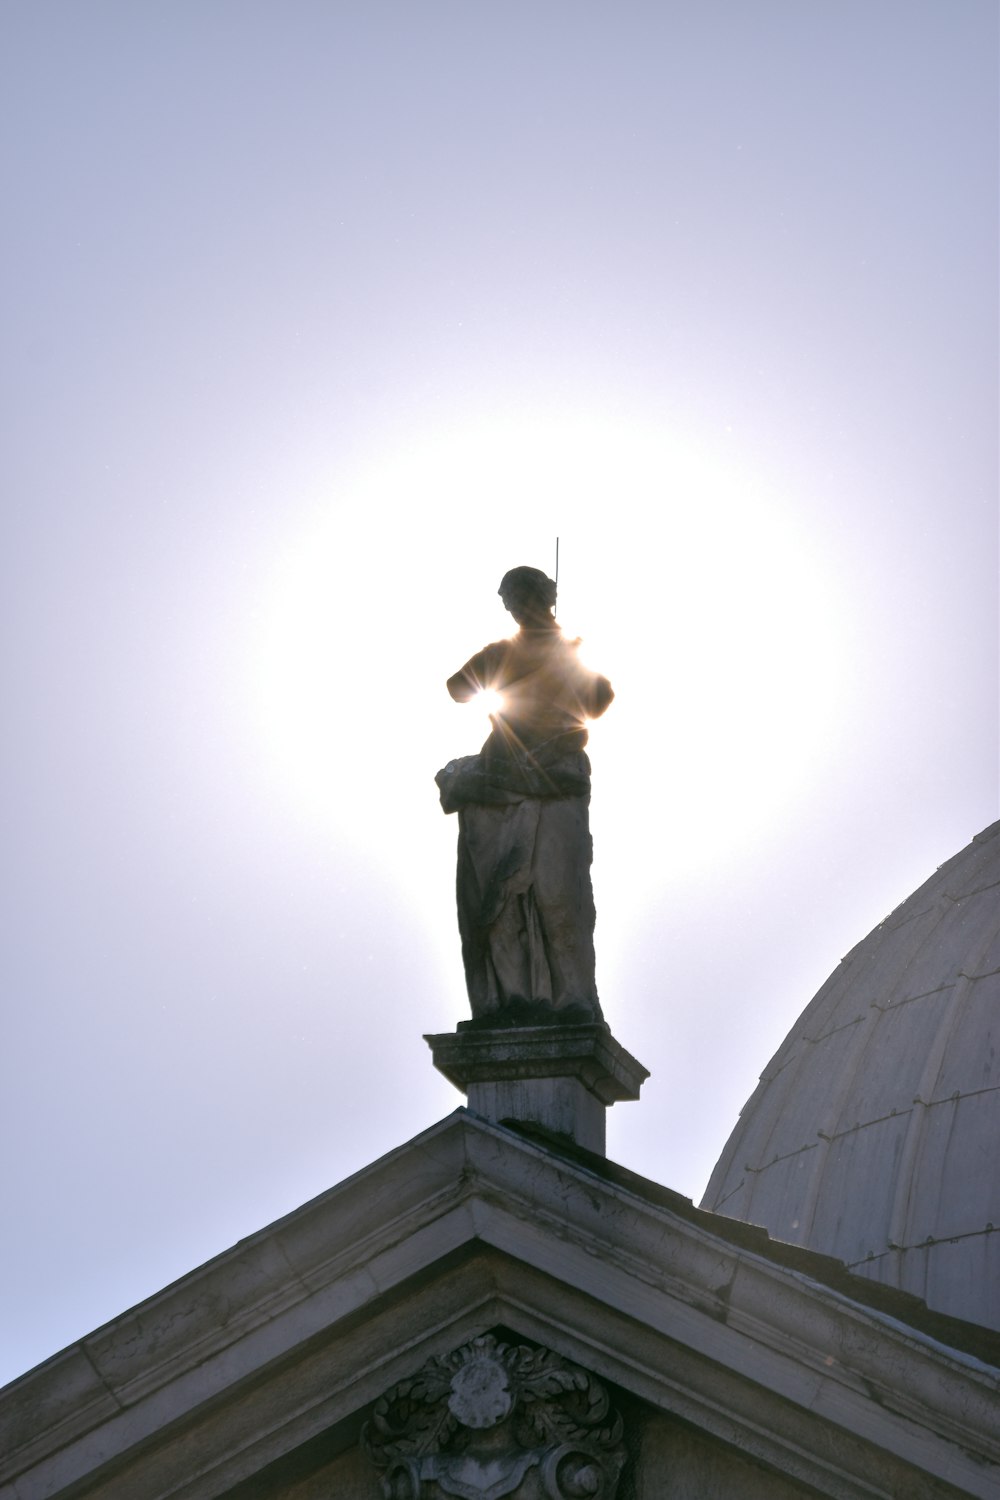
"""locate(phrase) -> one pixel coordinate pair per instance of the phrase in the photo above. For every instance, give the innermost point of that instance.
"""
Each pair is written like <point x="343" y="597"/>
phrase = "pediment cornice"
<point x="471" y="1226"/>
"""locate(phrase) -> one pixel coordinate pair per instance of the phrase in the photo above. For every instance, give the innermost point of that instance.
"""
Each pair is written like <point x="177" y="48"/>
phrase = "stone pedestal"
<point x="560" y="1077"/>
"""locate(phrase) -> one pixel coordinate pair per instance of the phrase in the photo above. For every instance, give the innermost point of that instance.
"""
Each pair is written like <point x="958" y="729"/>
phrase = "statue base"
<point x="561" y="1077"/>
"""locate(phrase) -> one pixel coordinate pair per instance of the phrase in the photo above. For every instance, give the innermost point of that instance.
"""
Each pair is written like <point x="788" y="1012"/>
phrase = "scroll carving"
<point x="492" y="1420"/>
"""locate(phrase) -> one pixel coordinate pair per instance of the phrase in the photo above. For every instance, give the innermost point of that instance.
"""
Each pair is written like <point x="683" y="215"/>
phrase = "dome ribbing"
<point x="874" y="1134"/>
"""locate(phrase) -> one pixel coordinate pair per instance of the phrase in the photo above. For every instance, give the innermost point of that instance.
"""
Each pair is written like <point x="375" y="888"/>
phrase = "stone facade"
<point x="738" y="1368"/>
<point x="671" y="1462"/>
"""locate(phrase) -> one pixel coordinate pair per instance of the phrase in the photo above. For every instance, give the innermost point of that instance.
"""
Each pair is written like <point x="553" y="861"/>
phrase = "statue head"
<point x="529" y="595"/>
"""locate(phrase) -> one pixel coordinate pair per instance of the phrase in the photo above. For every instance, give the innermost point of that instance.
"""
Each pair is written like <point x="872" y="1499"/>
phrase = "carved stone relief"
<point x="492" y="1420"/>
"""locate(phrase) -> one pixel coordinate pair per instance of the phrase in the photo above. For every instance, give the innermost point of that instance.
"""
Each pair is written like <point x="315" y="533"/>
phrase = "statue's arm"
<point x="462" y="687"/>
<point x="600" y="696"/>
<point x="593" y="692"/>
<point x="472" y="678"/>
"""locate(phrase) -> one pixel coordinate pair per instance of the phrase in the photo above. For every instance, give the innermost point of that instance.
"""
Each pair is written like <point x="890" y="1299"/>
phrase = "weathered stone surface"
<point x="673" y="1461"/>
<point x="561" y="1078"/>
<point x="495" y="1419"/>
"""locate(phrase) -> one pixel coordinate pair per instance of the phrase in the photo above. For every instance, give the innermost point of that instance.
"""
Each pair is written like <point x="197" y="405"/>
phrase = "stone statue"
<point x="525" y="901"/>
<point x="497" y="1420"/>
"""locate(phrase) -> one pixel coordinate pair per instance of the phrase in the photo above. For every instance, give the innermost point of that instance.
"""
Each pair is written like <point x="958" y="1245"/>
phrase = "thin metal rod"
<point x="555" y="607"/>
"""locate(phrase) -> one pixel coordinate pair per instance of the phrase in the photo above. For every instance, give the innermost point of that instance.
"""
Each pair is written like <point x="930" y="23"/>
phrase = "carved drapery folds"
<point x="492" y="1420"/>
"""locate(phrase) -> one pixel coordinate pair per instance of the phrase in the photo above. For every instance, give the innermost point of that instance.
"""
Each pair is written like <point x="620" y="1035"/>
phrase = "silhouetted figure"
<point x="525" y="901"/>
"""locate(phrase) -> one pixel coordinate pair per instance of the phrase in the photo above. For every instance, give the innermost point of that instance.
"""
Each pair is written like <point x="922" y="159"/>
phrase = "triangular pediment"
<point x="269" y="1358"/>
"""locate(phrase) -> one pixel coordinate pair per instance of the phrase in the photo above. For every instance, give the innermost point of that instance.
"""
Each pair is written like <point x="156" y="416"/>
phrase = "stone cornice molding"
<point x="562" y="1078"/>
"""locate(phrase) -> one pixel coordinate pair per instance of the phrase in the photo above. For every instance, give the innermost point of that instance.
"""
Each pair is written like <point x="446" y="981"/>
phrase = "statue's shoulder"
<point x="496" y="653"/>
<point x="496" y="648"/>
<point x="487" y="656"/>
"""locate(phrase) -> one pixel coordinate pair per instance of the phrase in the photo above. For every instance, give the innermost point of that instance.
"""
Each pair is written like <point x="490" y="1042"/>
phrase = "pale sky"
<point x="318" y="317"/>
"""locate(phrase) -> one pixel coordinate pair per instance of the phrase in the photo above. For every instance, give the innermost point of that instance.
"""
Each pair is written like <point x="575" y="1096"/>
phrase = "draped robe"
<point x="525" y="900"/>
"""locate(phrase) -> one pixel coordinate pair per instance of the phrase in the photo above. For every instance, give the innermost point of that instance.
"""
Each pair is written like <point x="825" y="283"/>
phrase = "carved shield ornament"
<point x="492" y="1420"/>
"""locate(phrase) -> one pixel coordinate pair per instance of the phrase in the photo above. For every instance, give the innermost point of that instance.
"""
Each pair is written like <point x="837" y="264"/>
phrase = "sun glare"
<point x="715" y="617"/>
<point x="488" y="701"/>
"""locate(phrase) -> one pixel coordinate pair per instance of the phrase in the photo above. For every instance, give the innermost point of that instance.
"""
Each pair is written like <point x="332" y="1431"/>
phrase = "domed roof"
<point x="874" y="1134"/>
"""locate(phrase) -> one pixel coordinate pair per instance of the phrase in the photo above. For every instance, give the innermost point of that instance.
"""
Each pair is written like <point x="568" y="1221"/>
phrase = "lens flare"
<point x="721" y="619"/>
